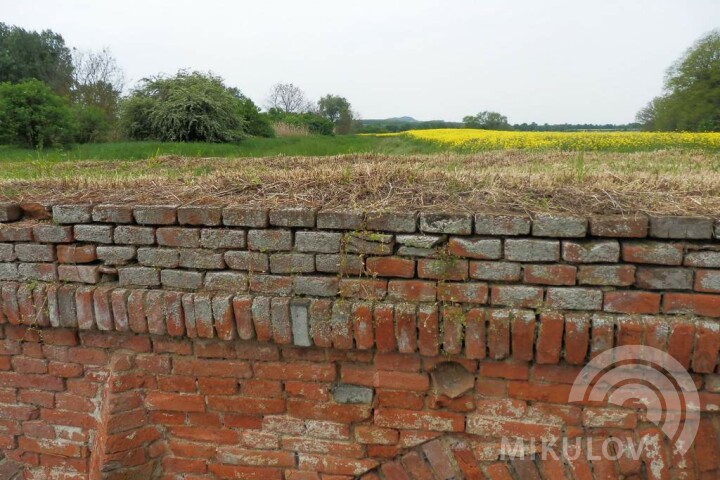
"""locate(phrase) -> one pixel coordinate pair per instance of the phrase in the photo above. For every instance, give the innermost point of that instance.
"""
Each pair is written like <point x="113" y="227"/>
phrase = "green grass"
<point x="253" y="147"/>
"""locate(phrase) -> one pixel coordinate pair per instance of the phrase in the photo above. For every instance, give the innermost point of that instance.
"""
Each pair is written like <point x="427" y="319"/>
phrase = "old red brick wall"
<point x="205" y="343"/>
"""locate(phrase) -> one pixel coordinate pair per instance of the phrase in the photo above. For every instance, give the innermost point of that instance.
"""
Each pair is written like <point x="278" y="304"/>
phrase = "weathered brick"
<point x="390" y="267"/>
<point x="574" y="298"/>
<point x="216" y="238"/>
<point x="517" y="296"/>
<point x="443" y="269"/>
<point x="664" y="278"/>
<point x="466" y="292"/>
<point x="181" y="279"/>
<point x="479" y="248"/>
<point x="343" y="263"/>
<point x="16" y="233"/>
<point x="368" y="289"/>
<point x="31" y="252"/>
<point x="67" y="312"/>
<point x="707" y="281"/>
<point x="199" y="215"/>
<point x="9" y="271"/>
<point x="112" y="214"/>
<point x="549" y="338"/>
<point x="658" y="253"/>
<point x="72" y="213"/>
<point x="559" y="226"/>
<point x="44" y="272"/>
<point x="271" y="284"/>
<point x="292" y="263"/>
<point x="10" y="212"/>
<point x="531" y="250"/>
<point x="223" y="316"/>
<point x="703" y="258"/>
<point x="269" y="240"/>
<point x="116" y="255"/>
<point x="227" y="281"/>
<point x="130" y="235"/>
<point x="202" y="259"/>
<point x="369" y="243"/>
<point x="79" y="273"/>
<point x="340" y="220"/>
<point x="457" y="223"/>
<point x="619" y="227"/>
<point x="280" y="320"/>
<point x="592" y="251"/>
<point x="316" y="286"/>
<point x="403" y="222"/>
<point x="495" y="271"/>
<point x="320" y="242"/>
<point x="550" y="274"/>
<point x="52" y="234"/>
<point x="698" y="304"/>
<point x="139" y="276"/>
<point x="606" y="275"/>
<point x="155" y="214"/>
<point x="292" y="217"/>
<point x="632" y="302"/>
<point x="94" y="233"/>
<point x="487" y="224"/>
<point x="300" y="322"/>
<point x="235" y="216"/>
<point x="158" y="257"/>
<point x="411" y="290"/>
<point x="249" y="261"/>
<point x="681" y="227"/>
<point x="7" y="252"/>
<point x="178" y="237"/>
<point x="73" y="253"/>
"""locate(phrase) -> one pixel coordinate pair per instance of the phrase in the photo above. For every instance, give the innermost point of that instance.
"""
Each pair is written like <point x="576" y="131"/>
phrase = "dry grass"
<point x="510" y="181"/>
<point x="288" y="130"/>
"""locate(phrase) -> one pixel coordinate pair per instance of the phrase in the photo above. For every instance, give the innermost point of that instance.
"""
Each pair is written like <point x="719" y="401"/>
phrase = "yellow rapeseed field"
<point x="478" y="140"/>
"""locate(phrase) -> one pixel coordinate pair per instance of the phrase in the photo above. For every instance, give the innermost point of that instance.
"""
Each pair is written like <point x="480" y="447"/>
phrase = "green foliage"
<point x="91" y="124"/>
<point x="337" y="109"/>
<point x="189" y="107"/>
<point x="41" y="55"/>
<point x="316" y="124"/>
<point x="258" y="124"/>
<point x="32" y="115"/>
<point x="691" y="97"/>
<point x="487" y="121"/>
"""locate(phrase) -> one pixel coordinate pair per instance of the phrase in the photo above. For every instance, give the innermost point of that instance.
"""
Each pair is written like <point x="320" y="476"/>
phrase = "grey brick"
<point x="227" y="281"/>
<point x="694" y="228"/>
<point x="212" y="238"/>
<point x="480" y="248"/>
<point x="139" y="276"/>
<point x="316" y="286"/>
<point x="280" y="318"/>
<point x="404" y="251"/>
<point x="391" y="222"/>
<point x="559" y="226"/>
<point x="79" y="273"/>
<point x="369" y="243"/>
<point x="72" y="213"/>
<point x="10" y="212"/>
<point x="270" y="240"/>
<point x="116" y="255"/>
<point x="158" y="257"/>
<point x="619" y="227"/>
<point x="345" y="264"/>
<point x="112" y="214"/>
<point x="292" y="263"/>
<point x="495" y="271"/>
<point x="292" y="217"/>
<point x="202" y="259"/>
<point x="43" y="272"/>
<point x="178" y="237"/>
<point x="184" y="279"/>
<point x="340" y="220"/>
<point x="129" y="235"/>
<point x="7" y="252"/>
<point x="52" y="234"/>
<point x="320" y="242"/>
<point x="591" y="251"/>
<point x="32" y="252"/>
<point x="245" y="217"/>
<point x="271" y="284"/>
<point x="352" y="394"/>
<point x="574" y="298"/>
<point x="488" y="224"/>
<point x="67" y="310"/>
<point x="16" y="233"/>
<point x="703" y="258"/>
<point x="9" y="271"/>
<point x="94" y="233"/>
<point x="299" y="317"/>
<point x="457" y="223"/>
<point x="664" y="278"/>
<point x="249" y="261"/>
<point x="421" y="241"/>
<point x="517" y="296"/>
<point x="199" y="215"/>
<point x="531" y="250"/>
<point x="155" y="214"/>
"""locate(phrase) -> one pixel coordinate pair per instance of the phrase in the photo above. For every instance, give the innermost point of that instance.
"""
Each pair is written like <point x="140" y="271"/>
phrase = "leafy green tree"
<point x="32" y="115"/>
<point x="188" y="107"/>
<point x="337" y="109"/>
<point x="41" y="55"/>
<point x="315" y="124"/>
<point x="487" y="121"/>
<point x="691" y="96"/>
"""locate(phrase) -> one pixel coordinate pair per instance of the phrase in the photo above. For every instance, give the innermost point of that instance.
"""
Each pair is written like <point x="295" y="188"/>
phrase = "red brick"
<point x="699" y="304"/>
<point x="619" y="227"/>
<point x="550" y="336"/>
<point x="362" y="320"/>
<point x="577" y="337"/>
<point x="400" y="399"/>
<point x="437" y="421"/>
<point x="405" y="327"/>
<point x="390" y="267"/>
<point x="384" y="328"/>
<point x="428" y="335"/>
<point x="632" y="302"/>
<point x="411" y="290"/>
<point x="475" y="347"/>
<point x="367" y="434"/>
<point x="73" y="254"/>
<point x="312" y="410"/>
<point x="707" y="345"/>
<point x="498" y="334"/>
<point x="539" y="392"/>
<point x="443" y="269"/>
<point x="136" y="311"/>
<point x="550" y="274"/>
<point x="467" y="292"/>
<point x="242" y="312"/>
<point x="368" y="289"/>
<point x="508" y="370"/>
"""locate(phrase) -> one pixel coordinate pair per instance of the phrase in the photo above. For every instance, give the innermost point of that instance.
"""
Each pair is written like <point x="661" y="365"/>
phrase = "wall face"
<point x="207" y="343"/>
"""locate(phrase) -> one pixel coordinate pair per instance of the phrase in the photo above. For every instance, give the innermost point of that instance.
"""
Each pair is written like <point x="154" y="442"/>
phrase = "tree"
<point x="187" y="107"/>
<point x="288" y="98"/>
<point x="487" y="121"/>
<point x="691" y="93"/>
<point x="337" y="109"/>
<point x="98" y="81"/>
<point x="32" y="115"/>
<point x="40" y="55"/>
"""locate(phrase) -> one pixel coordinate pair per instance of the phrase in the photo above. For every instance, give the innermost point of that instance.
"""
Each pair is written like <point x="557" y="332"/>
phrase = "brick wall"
<point x="205" y="343"/>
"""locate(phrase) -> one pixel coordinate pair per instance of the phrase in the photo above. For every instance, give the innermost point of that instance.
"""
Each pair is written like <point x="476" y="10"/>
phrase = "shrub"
<point x="92" y="124"/>
<point x="315" y="124"/>
<point x="33" y="116"/>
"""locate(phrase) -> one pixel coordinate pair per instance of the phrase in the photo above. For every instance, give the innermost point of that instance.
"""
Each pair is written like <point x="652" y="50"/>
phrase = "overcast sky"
<point x="555" y="61"/>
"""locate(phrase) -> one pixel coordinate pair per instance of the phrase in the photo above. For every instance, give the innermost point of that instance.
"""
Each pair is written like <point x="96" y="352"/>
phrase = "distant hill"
<point x="373" y="121"/>
<point x="401" y="124"/>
